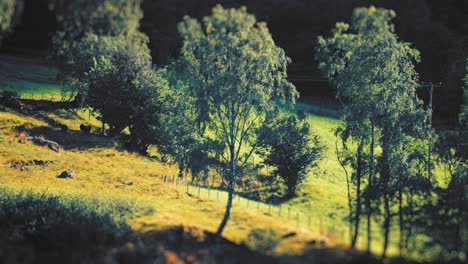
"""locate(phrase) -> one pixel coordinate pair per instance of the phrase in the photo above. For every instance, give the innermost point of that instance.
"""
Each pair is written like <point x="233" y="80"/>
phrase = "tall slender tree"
<point x="375" y="79"/>
<point x="239" y="71"/>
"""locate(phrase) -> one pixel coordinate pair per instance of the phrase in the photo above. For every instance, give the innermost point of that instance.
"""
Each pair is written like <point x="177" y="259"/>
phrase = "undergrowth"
<point x="68" y="218"/>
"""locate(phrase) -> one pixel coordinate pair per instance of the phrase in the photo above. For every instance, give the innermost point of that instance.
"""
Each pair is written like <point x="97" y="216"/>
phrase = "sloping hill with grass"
<point x="149" y="214"/>
<point x="104" y="171"/>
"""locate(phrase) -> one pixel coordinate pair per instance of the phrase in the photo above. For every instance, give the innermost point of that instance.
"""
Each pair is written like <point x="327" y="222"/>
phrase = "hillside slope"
<point x="102" y="169"/>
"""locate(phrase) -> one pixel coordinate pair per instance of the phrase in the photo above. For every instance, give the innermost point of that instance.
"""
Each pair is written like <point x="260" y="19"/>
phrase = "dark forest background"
<point x="437" y="28"/>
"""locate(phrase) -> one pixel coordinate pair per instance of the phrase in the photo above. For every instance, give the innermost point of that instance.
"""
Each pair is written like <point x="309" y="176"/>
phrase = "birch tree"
<point x="238" y="72"/>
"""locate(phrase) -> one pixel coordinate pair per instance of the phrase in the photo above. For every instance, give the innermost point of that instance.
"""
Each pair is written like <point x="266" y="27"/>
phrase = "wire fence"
<point x="324" y="222"/>
<point x="45" y="96"/>
<point x="329" y="224"/>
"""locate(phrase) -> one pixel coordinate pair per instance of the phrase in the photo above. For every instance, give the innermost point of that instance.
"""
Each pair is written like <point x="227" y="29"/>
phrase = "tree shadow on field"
<point x="68" y="114"/>
<point x="69" y="139"/>
<point x="173" y="245"/>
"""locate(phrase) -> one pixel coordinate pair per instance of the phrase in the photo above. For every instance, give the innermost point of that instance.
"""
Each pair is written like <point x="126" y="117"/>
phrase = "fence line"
<point x="309" y="219"/>
<point x="324" y="222"/>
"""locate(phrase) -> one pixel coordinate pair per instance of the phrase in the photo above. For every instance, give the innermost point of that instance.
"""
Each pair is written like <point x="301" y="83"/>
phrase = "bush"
<point x="289" y="145"/>
<point x="9" y="99"/>
<point x="262" y="240"/>
<point x="66" y="219"/>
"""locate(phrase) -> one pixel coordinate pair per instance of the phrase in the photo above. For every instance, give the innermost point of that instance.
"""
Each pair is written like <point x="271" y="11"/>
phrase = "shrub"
<point x="289" y="145"/>
<point x="262" y="240"/>
<point x="66" y="219"/>
<point x="9" y="99"/>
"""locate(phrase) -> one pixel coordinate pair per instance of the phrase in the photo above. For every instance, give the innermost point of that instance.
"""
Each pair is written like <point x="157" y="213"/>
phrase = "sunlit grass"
<point x="108" y="172"/>
<point x="36" y="91"/>
<point x="103" y="170"/>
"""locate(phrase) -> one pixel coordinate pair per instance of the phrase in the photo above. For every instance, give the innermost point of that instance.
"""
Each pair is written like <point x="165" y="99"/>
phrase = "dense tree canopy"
<point x="81" y="55"/>
<point x="7" y="9"/>
<point x="238" y="71"/>
<point x="288" y="145"/>
<point x="76" y="19"/>
<point x="375" y="79"/>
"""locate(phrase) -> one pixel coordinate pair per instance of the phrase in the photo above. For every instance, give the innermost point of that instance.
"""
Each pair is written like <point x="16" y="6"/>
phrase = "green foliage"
<point x="375" y="78"/>
<point x="181" y="137"/>
<point x="262" y="240"/>
<point x="106" y="60"/>
<point x="145" y="123"/>
<point x="449" y="212"/>
<point x="114" y="82"/>
<point x="463" y="117"/>
<point x="449" y="226"/>
<point x="288" y="145"/>
<point x="7" y="8"/>
<point x="60" y="217"/>
<point x="237" y="71"/>
<point x="114" y="75"/>
<point x="81" y="55"/>
<point x="75" y="19"/>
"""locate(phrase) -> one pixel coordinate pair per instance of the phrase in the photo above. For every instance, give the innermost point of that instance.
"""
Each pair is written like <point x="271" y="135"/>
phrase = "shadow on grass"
<point x="45" y="228"/>
<point x="68" y="114"/>
<point x="70" y="139"/>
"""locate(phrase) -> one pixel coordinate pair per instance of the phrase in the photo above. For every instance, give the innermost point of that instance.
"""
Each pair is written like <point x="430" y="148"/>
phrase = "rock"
<point x="27" y="169"/>
<point x="45" y="142"/>
<point x="41" y="162"/>
<point x="53" y="146"/>
<point x="66" y="174"/>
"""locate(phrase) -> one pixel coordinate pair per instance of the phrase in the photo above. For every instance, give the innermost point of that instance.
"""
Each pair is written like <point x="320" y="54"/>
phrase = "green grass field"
<point x="31" y="78"/>
<point x="36" y="91"/>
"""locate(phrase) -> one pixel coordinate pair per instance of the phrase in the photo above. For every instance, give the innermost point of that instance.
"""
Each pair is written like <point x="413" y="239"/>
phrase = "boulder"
<point x="66" y="174"/>
<point x="45" y="142"/>
<point x="40" y="162"/>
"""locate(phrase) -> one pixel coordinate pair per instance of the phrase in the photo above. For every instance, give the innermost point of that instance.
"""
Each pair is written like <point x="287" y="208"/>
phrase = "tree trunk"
<point x="400" y="217"/>
<point x="348" y="188"/>
<point x="232" y="176"/>
<point x="359" y="171"/>
<point x="386" y="224"/>
<point x="181" y="171"/>
<point x="409" y="223"/>
<point x="368" y="198"/>
<point x="385" y="176"/>
<point x="291" y="190"/>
